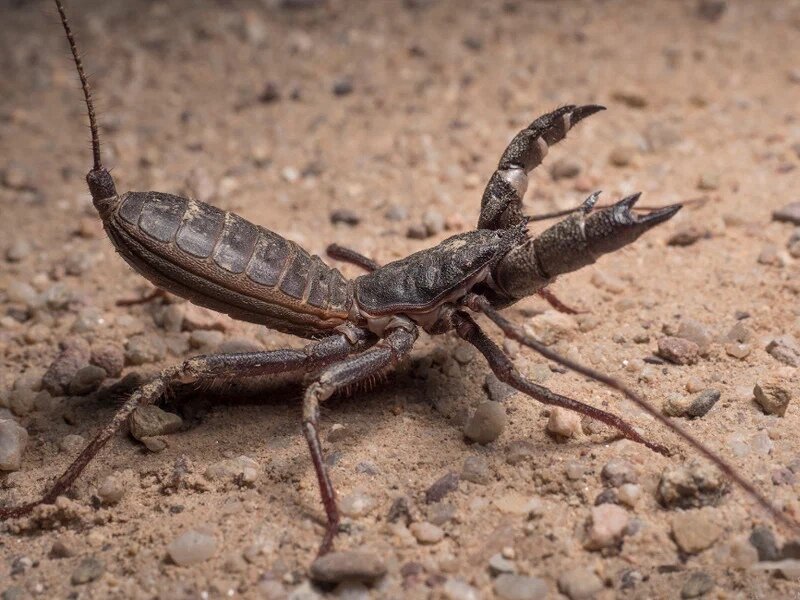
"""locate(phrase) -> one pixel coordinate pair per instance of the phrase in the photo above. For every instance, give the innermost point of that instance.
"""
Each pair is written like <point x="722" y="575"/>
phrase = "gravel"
<point x="580" y="583"/>
<point x="441" y="487"/>
<point x="149" y="421"/>
<point x="144" y="348"/>
<point x="89" y="569"/>
<point x="336" y="567"/>
<point x="763" y="540"/>
<point x="695" y="331"/>
<point x="192" y="547"/>
<point x="75" y="354"/>
<point x="427" y="533"/>
<point x="696" y="530"/>
<point x="241" y="470"/>
<point x="606" y="526"/>
<point x="678" y="350"/>
<point x="688" y="235"/>
<point x="357" y="504"/>
<point x="785" y="349"/>
<point x="486" y="423"/>
<point x="789" y="213"/>
<point x="565" y="168"/>
<point x="111" y="490"/>
<point x="772" y="395"/>
<point x="13" y="439"/>
<point x="86" y="380"/>
<point x="476" y="470"/>
<point x="694" y="407"/>
<point x="698" y="584"/>
<point x="108" y="356"/>
<point x="619" y="471"/>
<point x="690" y="486"/>
<point x="520" y="587"/>
<point x="345" y="216"/>
<point x="564" y="423"/>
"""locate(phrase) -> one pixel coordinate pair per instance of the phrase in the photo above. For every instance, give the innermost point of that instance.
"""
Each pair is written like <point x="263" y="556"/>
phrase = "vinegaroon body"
<point x="363" y="326"/>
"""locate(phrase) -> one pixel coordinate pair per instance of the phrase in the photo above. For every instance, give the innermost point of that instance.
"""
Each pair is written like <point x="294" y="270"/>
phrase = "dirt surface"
<point x="398" y="112"/>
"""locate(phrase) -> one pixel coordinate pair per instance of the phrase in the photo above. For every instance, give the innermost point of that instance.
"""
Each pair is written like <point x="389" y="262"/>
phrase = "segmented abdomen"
<point x="220" y="260"/>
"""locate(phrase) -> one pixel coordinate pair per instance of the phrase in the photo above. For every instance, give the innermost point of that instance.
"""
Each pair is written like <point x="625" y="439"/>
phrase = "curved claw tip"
<point x="589" y="203"/>
<point x="629" y="201"/>
<point x="581" y="112"/>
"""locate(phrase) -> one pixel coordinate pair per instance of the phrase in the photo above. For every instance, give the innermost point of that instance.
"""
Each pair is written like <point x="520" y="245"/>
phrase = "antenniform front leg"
<point x="501" y="205"/>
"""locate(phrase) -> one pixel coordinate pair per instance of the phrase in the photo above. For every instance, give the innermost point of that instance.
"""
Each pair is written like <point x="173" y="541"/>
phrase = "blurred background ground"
<point x="375" y="125"/>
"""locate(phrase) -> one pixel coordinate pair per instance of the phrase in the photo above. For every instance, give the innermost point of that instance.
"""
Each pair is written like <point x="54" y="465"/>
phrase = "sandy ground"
<point x="235" y="103"/>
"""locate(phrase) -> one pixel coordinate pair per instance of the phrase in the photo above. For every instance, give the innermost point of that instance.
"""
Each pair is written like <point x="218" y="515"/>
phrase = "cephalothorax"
<point x="363" y="326"/>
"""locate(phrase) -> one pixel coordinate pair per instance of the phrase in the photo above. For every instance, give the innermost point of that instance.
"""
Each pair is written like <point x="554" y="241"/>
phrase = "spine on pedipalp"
<point x="220" y="260"/>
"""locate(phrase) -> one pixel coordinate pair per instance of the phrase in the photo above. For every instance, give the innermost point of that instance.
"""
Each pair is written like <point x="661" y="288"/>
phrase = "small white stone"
<point x="192" y="547"/>
<point x="13" y="439"/>
<point x="356" y="504"/>
<point x="427" y="533"/>
<point x="628" y="493"/>
<point x="564" y="422"/>
<point x="111" y="490"/>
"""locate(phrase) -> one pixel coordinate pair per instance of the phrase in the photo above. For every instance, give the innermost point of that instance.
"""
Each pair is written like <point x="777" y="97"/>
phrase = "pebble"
<point x="606" y="526"/>
<point x="458" y="589"/>
<point x="772" y="395"/>
<point x="22" y="293"/>
<point x="149" y="421"/>
<point x="13" y="439"/>
<point x="345" y="216"/>
<point x="75" y="354"/>
<point x="86" y="380"/>
<point x="241" y="470"/>
<point x="622" y="156"/>
<point x="143" y="348"/>
<point x="618" y="471"/>
<point x="629" y="493"/>
<point x="111" y="490"/>
<point x="737" y="350"/>
<point x="711" y="10"/>
<point x="441" y="512"/>
<point x="708" y="182"/>
<point x="500" y="564"/>
<point x="580" y="583"/>
<point x="18" y="251"/>
<point x="678" y="350"/>
<point x="785" y="349"/>
<point x="108" y="356"/>
<point x="565" y="168"/>
<point x="698" y="584"/>
<point x="514" y="503"/>
<point x="22" y="401"/>
<point x="356" y="504"/>
<point x="205" y="339"/>
<point x="199" y="185"/>
<point x="630" y="98"/>
<point x="520" y="587"/>
<point x="565" y="423"/>
<point x="336" y="567"/>
<point x="417" y="231"/>
<point x="192" y="547"/>
<point x="61" y="549"/>
<point x="763" y="540"/>
<point x="441" y="487"/>
<point x="687" y="235"/>
<point x="497" y="390"/>
<point x="486" y="423"/>
<point x="770" y="255"/>
<point x="342" y="86"/>
<point x="433" y="221"/>
<point x="88" y="570"/>
<point x="790" y="213"/>
<point x="197" y="317"/>
<point x="690" y="486"/>
<point x="476" y="470"/>
<point x="71" y="443"/>
<point x="694" y="331"/>
<point x="427" y="533"/>
<point x="519" y="451"/>
<point x="696" y="530"/>
<point x="396" y="212"/>
<point x="681" y="406"/>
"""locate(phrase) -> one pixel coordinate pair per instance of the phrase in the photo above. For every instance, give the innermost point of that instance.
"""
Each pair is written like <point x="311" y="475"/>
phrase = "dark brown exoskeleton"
<point x="363" y="326"/>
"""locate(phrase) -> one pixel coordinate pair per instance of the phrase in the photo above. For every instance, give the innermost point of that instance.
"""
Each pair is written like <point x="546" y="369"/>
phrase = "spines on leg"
<point x="501" y="205"/>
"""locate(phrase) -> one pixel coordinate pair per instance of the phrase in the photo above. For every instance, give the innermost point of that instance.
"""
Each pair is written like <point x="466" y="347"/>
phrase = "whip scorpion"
<point x="358" y="328"/>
